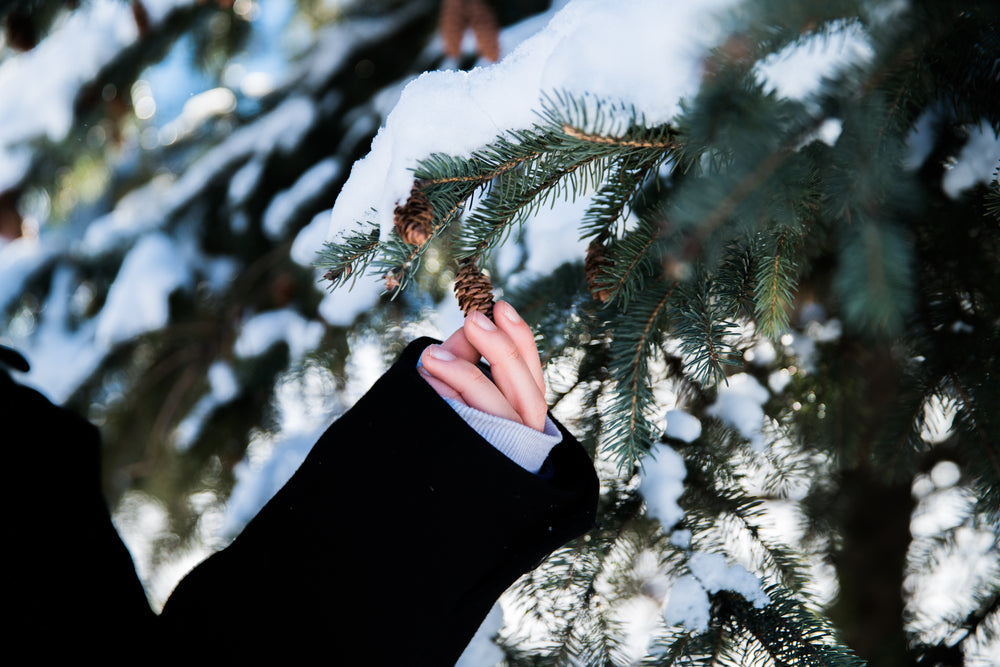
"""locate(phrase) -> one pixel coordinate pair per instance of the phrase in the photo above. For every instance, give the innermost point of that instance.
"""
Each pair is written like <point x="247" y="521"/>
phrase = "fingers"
<point x="442" y="388"/>
<point x="515" y="327"/>
<point x="514" y="366"/>
<point x="454" y="377"/>
<point x="460" y="346"/>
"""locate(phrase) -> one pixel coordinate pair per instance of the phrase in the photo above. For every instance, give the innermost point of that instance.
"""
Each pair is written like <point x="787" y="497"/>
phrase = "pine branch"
<point x="776" y="284"/>
<point x="737" y="279"/>
<point x="518" y="174"/>
<point x="349" y="257"/>
<point x="593" y="138"/>
<point x="515" y="197"/>
<point x="875" y="277"/>
<point x="639" y="336"/>
<point x="401" y="253"/>
<point x="993" y="196"/>
<point x="701" y="330"/>
<point x="563" y="591"/>
<point x="630" y="262"/>
<point x="709" y="504"/>
<point x="613" y="200"/>
<point x="790" y="634"/>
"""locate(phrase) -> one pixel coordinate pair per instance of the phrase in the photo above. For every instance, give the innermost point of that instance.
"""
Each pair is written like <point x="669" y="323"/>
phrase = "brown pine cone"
<point x="592" y="266"/>
<point x="141" y="17"/>
<point x="333" y="275"/>
<point x="483" y="21"/>
<point x="415" y="219"/>
<point x="10" y="217"/>
<point x="392" y="281"/>
<point x="451" y="25"/>
<point x="473" y="289"/>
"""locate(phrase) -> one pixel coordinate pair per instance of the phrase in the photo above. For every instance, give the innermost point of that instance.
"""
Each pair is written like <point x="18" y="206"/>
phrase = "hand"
<point x="517" y="391"/>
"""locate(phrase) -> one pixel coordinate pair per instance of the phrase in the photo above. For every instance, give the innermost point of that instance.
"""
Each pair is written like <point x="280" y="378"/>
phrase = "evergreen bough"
<point x="724" y="227"/>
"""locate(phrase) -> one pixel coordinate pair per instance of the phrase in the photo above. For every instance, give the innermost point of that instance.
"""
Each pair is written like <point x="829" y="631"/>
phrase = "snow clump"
<point x="682" y="426"/>
<point x="662" y="483"/>
<point x="688" y="604"/>
<point x="739" y="405"/>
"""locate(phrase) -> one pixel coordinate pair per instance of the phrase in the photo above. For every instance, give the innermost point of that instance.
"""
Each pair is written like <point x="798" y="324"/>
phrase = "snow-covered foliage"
<point x="593" y="48"/>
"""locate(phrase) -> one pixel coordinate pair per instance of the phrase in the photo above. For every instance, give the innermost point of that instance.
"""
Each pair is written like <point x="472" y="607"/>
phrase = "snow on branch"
<point x="607" y="50"/>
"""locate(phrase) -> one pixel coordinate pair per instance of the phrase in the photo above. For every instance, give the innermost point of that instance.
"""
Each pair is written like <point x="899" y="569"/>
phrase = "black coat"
<point x="389" y="544"/>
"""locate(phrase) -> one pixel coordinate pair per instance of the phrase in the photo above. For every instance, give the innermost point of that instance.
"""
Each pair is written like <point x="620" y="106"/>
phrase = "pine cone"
<point x="473" y="289"/>
<point x="594" y="264"/>
<point x="141" y="17"/>
<point x="334" y="275"/>
<point x="10" y="217"/>
<point x="392" y="281"/>
<point x="415" y="219"/>
<point x="451" y="25"/>
<point x="483" y="21"/>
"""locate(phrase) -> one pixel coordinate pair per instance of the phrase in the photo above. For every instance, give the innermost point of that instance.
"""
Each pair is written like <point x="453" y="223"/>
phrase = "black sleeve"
<point x="70" y="585"/>
<point x="392" y="540"/>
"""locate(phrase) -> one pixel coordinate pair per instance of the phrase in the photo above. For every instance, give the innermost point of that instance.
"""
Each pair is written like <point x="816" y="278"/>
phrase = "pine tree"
<point x="730" y="226"/>
<point x="738" y="247"/>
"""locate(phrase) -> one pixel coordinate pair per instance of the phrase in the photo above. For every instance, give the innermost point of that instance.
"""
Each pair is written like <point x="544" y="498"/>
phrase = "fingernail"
<point x="510" y="313"/>
<point x="482" y="321"/>
<point x="440" y="353"/>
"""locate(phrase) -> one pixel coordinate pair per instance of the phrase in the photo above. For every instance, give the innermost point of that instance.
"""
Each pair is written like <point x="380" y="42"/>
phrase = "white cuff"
<point x="522" y="444"/>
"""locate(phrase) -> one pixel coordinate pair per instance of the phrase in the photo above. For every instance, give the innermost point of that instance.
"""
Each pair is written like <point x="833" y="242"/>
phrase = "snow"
<point x="341" y="307"/>
<point x="602" y="48"/>
<point x="688" y="604"/>
<point x="259" y="332"/>
<point x="61" y="357"/>
<point x="48" y="78"/>
<point x="550" y="238"/>
<point x="797" y="71"/>
<point x="762" y="353"/>
<point x="962" y="564"/>
<point x="662" y="483"/>
<point x="281" y="129"/>
<point x="138" y="300"/>
<point x="681" y="538"/>
<point x="19" y="259"/>
<point x="715" y="575"/>
<point x="308" y="187"/>
<point x="778" y="380"/>
<point x="803" y="345"/>
<point x="336" y="42"/>
<point x="830" y="130"/>
<point x="310" y="239"/>
<point x="938" y="417"/>
<point x="137" y="212"/>
<point x="977" y="163"/>
<point x="244" y="181"/>
<point x="223" y="387"/>
<point x="682" y="426"/>
<point x="920" y="140"/>
<point x="945" y="474"/>
<point x="739" y="405"/>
